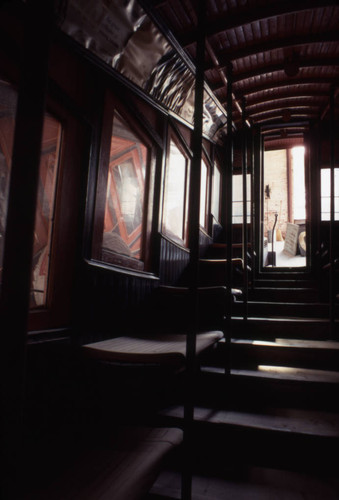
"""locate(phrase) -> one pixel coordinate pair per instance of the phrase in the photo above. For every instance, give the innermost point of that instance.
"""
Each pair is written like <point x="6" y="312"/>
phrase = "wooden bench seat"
<point x="122" y="467"/>
<point x="202" y="291"/>
<point x="161" y="349"/>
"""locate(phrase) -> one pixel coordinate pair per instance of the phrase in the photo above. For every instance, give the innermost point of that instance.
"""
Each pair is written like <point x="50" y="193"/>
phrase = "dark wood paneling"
<point x="174" y="259"/>
<point x="204" y="242"/>
<point x="114" y="302"/>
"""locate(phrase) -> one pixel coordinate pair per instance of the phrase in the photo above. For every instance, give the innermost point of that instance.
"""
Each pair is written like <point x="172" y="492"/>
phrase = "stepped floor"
<point x="290" y="420"/>
<point x="284" y="373"/>
<point x="301" y="343"/>
<point x="270" y="429"/>
<point x="252" y="483"/>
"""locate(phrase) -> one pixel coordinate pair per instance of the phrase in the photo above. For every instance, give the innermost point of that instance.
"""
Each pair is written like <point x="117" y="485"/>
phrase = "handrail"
<point x="244" y="201"/>
<point x="194" y="211"/>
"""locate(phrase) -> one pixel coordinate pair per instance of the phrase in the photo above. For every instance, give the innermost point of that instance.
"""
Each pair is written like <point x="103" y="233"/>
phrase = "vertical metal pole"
<point x="314" y="146"/>
<point x="229" y="189"/>
<point x="194" y="209"/>
<point x="228" y="195"/>
<point x="257" y="189"/>
<point x="18" y="251"/>
<point x="308" y="187"/>
<point x="244" y="196"/>
<point x="332" y="219"/>
<point x="253" y="252"/>
<point x="261" y="189"/>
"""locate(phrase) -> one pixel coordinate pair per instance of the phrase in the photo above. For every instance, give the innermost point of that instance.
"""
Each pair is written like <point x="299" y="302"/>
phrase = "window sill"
<point x="121" y="270"/>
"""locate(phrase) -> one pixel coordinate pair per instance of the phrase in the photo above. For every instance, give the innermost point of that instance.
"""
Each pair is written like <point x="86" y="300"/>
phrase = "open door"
<point x="284" y="209"/>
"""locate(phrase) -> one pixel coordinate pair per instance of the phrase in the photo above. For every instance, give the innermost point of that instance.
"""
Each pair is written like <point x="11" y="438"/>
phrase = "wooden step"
<point x="282" y="309"/>
<point x="264" y="328"/>
<point x="281" y="420"/>
<point x="269" y="385"/>
<point x="245" y="482"/>
<point x="281" y="275"/>
<point x="281" y="294"/>
<point x="287" y="352"/>
<point x="285" y="283"/>
<point x="291" y="374"/>
<point x="280" y="437"/>
<point x="249" y="353"/>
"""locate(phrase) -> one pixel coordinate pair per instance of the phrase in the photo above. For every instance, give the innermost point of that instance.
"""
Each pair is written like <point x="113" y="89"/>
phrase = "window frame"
<point x="208" y="191"/>
<point x="248" y="201"/>
<point x="111" y="107"/>
<point x="181" y="145"/>
<point x="73" y="155"/>
<point x="217" y="167"/>
<point x="39" y="216"/>
<point x="336" y="196"/>
<point x="7" y="150"/>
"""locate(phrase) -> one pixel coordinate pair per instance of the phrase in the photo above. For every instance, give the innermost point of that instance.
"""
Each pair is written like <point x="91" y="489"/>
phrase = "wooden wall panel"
<point x="204" y="242"/>
<point x="174" y="260"/>
<point x="114" y="302"/>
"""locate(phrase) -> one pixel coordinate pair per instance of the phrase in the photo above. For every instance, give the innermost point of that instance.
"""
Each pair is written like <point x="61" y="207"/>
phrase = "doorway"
<point x="284" y="210"/>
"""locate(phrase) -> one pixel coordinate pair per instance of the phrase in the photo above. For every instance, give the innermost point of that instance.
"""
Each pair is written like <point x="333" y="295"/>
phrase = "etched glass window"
<point x="44" y="215"/>
<point x="123" y="222"/>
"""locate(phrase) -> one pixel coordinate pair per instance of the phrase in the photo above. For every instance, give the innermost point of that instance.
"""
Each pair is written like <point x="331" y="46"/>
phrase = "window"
<point x="63" y="161"/>
<point x="123" y="223"/>
<point x="8" y="100"/>
<point x="64" y="152"/>
<point x="174" y="222"/>
<point x="326" y="194"/>
<point x="237" y="212"/>
<point x="44" y="216"/>
<point x="204" y="194"/>
<point x="215" y="206"/>
<point x="119" y="235"/>
<point x="46" y="190"/>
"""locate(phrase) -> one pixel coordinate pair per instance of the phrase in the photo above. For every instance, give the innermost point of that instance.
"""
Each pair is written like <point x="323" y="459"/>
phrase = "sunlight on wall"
<point x="298" y="166"/>
<point x="326" y="194"/>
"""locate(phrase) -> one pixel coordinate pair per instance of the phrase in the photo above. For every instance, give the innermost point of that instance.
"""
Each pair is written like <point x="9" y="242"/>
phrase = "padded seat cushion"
<point x="124" y="467"/>
<point x="158" y="349"/>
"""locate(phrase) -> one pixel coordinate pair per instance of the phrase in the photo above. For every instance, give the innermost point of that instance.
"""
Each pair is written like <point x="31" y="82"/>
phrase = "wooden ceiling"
<point x="284" y="56"/>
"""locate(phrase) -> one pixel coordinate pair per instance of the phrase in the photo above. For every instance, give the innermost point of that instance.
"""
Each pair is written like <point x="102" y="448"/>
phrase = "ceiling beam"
<point x="284" y="103"/>
<point x="272" y="68"/>
<point x="304" y="123"/>
<point x="283" y="143"/>
<point x="232" y="54"/>
<point x="300" y="110"/>
<point x="291" y="130"/>
<point x="230" y="20"/>
<point x="272" y="120"/>
<point x="275" y="95"/>
<point x="253" y="88"/>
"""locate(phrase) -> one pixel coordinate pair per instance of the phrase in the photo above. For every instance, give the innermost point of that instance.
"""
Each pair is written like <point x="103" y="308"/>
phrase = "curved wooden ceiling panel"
<point x="284" y="54"/>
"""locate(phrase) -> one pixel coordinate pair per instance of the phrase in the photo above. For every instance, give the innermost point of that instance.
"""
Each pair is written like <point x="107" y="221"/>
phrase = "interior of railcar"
<point x="169" y="287"/>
